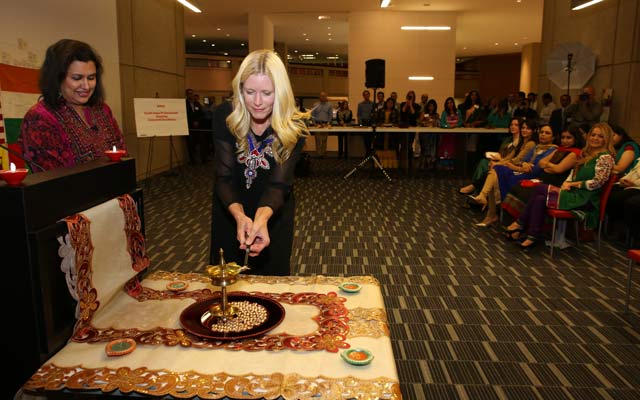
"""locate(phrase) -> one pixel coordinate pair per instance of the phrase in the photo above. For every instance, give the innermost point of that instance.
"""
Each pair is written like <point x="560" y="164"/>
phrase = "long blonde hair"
<point x="588" y="153"/>
<point x="286" y="120"/>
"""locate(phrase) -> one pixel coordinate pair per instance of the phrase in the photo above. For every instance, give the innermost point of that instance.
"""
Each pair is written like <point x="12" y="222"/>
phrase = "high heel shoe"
<point x="479" y="200"/>
<point x="469" y="189"/>
<point x="486" y="224"/>
<point x="527" y="248"/>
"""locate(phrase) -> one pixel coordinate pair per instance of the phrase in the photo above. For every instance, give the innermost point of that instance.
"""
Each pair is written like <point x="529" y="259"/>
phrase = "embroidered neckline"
<point x="255" y="157"/>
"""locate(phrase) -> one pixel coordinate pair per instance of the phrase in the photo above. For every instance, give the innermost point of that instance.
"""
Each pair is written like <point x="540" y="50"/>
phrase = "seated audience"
<point x="503" y="177"/>
<point x="555" y="169"/>
<point x="509" y="148"/>
<point x="580" y="193"/>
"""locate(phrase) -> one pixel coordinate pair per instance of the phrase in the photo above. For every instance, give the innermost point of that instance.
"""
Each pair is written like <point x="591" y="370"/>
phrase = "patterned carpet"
<point x="471" y="316"/>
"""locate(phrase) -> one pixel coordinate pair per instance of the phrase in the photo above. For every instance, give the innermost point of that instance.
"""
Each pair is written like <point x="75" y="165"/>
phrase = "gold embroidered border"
<point x="332" y="320"/>
<point x="216" y="386"/>
<point x="371" y="322"/>
<point x="135" y="240"/>
<point x="289" y="280"/>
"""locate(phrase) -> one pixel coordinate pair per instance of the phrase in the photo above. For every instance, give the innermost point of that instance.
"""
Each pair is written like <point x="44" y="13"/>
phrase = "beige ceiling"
<point x="480" y="24"/>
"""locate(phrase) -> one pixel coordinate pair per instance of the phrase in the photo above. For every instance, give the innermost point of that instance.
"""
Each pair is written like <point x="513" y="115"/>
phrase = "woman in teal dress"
<point x="627" y="151"/>
<point x="580" y="193"/>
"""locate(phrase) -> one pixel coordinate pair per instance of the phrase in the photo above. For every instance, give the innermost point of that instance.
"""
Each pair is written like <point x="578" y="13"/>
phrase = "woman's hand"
<point x="244" y="225"/>
<point x="570" y="185"/>
<point x="526" y="167"/>
<point x="258" y="237"/>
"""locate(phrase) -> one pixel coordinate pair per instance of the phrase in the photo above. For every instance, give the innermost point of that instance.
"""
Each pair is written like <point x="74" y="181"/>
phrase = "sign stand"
<point x="160" y="117"/>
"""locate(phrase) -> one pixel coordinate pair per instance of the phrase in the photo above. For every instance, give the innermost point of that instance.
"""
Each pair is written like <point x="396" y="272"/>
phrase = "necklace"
<point x="255" y="157"/>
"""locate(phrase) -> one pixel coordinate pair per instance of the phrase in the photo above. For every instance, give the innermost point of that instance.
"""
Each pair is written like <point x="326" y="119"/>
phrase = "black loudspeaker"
<point x="374" y="73"/>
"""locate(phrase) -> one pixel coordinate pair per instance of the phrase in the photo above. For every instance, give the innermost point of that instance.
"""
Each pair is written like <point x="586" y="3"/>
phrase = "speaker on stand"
<point x="374" y="78"/>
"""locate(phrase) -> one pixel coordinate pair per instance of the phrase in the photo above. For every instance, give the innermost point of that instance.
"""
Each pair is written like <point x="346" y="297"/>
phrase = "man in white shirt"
<point x="547" y="108"/>
<point x="322" y="114"/>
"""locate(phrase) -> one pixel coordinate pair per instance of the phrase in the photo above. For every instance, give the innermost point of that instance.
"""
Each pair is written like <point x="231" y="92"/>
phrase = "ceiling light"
<point x="241" y="44"/>
<point x="295" y="51"/>
<point x="213" y="45"/>
<point x="204" y="40"/>
<point x="384" y="3"/>
<point x="515" y="44"/>
<point x="421" y="78"/>
<point x="193" y="35"/>
<point x="329" y="33"/>
<point x="307" y="39"/>
<point x="332" y="57"/>
<point x="228" y="34"/>
<point x="580" y="4"/>
<point x="329" y="38"/>
<point x="496" y="43"/>
<point x="226" y="54"/>
<point x="324" y="17"/>
<point x="425" y="28"/>
<point x="304" y="34"/>
<point x="189" y="6"/>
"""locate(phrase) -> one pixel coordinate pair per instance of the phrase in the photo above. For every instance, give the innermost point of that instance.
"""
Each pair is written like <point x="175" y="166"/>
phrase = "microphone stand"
<point x="371" y="155"/>
<point x="569" y="68"/>
<point x="30" y="164"/>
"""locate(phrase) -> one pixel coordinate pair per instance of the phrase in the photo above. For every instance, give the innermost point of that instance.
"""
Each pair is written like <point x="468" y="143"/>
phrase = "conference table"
<point x="405" y="133"/>
<point x="301" y="358"/>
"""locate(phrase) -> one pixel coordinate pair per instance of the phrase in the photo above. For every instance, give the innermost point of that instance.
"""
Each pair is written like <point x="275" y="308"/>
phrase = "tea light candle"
<point x="114" y="154"/>
<point x="14" y="176"/>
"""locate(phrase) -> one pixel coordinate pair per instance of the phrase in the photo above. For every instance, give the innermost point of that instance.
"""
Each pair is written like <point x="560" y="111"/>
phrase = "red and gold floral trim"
<point x="132" y="228"/>
<point x="332" y="320"/>
<point x="79" y="228"/>
<point x="190" y="384"/>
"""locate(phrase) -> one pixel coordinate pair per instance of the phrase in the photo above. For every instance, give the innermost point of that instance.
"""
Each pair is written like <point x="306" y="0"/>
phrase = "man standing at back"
<point x="322" y="114"/>
<point x="587" y="110"/>
<point x="365" y="111"/>
<point x="558" y="120"/>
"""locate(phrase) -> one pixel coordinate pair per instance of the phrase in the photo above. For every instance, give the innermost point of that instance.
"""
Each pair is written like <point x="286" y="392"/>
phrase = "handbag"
<point x="529" y="183"/>
<point x="415" y="146"/>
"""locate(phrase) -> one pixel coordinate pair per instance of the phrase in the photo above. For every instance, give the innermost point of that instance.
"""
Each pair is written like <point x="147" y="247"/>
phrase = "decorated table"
<point x="137" y="336"/>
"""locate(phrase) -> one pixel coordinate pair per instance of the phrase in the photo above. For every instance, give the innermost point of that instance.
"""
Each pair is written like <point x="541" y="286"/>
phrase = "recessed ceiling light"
<point x="329" y="38"/>
<point x="324" y="17"/>
<point x="496" y="43"/>
<point x="228" y="34"/>
<point x="515" y="44"/>
<point x="425" y="28"/>
<point x="306" y="40"/>
<point x="385" y="3"/>
<point x="464" y="48"/>
<point x="241" y="44"/>
<point x="580" y="4"/>
<point x="329" y="33"/>
<point x="421" y="78"/>
<point x="204" y="40"/>
<point x="228" y="61"/>
<point x="226" y="54"/>
<point x="295" y="51"/>
<point x="193" y="35"/>
<point x="218" y="29"/>
<point x="304" y="34"/>
<point x="213" y="45"/>
<point x="189" y="6"/>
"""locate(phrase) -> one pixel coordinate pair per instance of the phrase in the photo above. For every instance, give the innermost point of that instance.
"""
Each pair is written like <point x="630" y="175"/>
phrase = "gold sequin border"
<point x="272" y="280"/>
<point x="190" y="384"/>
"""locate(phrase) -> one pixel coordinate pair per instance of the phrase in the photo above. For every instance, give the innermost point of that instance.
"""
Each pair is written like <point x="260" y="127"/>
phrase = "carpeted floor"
<point x="471" y="316"/>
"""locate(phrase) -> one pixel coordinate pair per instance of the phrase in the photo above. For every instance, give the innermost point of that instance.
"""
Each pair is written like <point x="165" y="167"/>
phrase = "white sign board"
<point x="161" y="117"/>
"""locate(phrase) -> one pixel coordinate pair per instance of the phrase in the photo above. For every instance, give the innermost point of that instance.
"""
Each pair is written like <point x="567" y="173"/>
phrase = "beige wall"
<point x="151" y="34"/>
<point x="28" y="27"/>
<point x="377" y="35"/>
<point x="530" y="67"/>
<point x="611" y="30"/>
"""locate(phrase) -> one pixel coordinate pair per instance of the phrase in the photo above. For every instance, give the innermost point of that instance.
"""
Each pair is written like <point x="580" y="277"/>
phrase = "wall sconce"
<point x="580" y="4"/>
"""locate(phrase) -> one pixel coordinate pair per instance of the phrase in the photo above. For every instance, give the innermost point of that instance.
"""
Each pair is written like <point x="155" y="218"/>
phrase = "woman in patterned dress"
<point x="71" y="124"/>
<point x="258" y="140"/>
